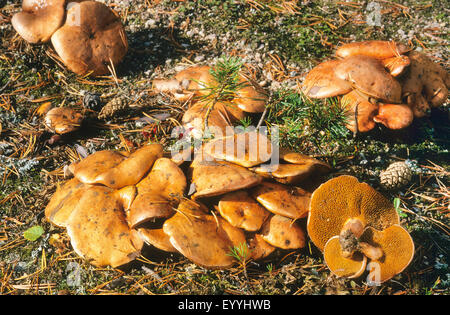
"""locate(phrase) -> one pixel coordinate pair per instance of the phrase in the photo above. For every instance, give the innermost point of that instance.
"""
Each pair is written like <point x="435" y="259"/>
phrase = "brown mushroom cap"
<point x="321" y="81"/>
<point x="147" y="207"/>
<point x="223" y="115"/>
<point x="359" y="111"/>
<point x="394" y="116"/>
<point x="283" y="232"/>
<point x="63" y="201"/>
<point x="39" y="19"/>
<point x="425" y="84"/>
<point x="375" y="49"/>
<point x="91" y="39"/>
<point x="89" y="168"/>
<point x="98" y="229"/>
<point x="259" y="248"/>
<point x="196" y="79"/>
<point x="250" y="97"/>
<point x="157" y="238"/>
<point x="217" y="178"/>
<point x="368" y="76"/>
<point x="242" y="211"/>
<point x="344" y="197"/>
<point x="351" y="267"/>
<point x="204" y="240"/>
<point x="398" y="250"/>
<point x="246" y="149"/>
<point x="291" y="202"/>
<point x="63" y="120"/>
<point x="396" y="65"/>
<point x="286" y="173"/>
<point x="131" y="170"/>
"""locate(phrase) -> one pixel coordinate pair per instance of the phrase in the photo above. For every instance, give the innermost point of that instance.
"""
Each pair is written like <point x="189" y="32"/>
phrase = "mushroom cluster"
<point x="116" y="202"/>
<point x="350" y="222"/>
<point x="379" y="82"/>
<point x="195" y="83"/>
<point x="87" y="35"/>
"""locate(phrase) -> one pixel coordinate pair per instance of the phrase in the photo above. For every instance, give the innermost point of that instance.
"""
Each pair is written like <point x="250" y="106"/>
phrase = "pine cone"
<point x="396" y="175"/>
<point x="113" y="108"/>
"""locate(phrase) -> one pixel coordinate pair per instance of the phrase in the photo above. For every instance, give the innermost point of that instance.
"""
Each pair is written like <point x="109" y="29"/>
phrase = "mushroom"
<point x="397" y="249"/>
<point x="242" y="211"/>
<point x="63" y="201"/>
<point x="39" y="19"/>
<point x="132" y="169"/>
<point x="214" y="178"/>
<point x="368" y="76"/>
<point x="377" y="49"/>
<point x="220" y="120"/>
<point x="291" y="202"/>
<point x="250" y="97"/>
<point x="425" y="85"/>
<point x="322" y="82"/>
<point x="394" y="116"/>
<point x="258" y="247"/>
<point x="359" y="111"/>
<point x="204" y="239"/>
<point x="98" y="229"/>
<point x="62" y="120"/>
<point x="88" y="169"/>
<point x="343" y="198"/>
<point x="157" y="238"/>
<point x="340" y="265"/>
<point x="92" y="39"/>
<point x="157" y="193"/>
<point x="246" y="149"/>
<point x="283" y="232"/>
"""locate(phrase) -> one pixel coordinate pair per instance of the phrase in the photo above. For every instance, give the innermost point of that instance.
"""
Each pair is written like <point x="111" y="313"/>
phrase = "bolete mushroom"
<point x="292" y="202"/>
<point x="377" y="49"/>
<point x="397" y="249"/>
<point x="283" y="232"/>
<point x="204" y="239"/>
<point x="62" y="120"/>
<point x="157" y="193"/>
<point x="368" y="76"/>
<point x="246" y="149"/>
<point x="359" y="111"/>
<point x="242" y="211"/>
<point x="394" y="116"/>
<point x="98" y="229"/>
<point x="214" y="178"/>
<point x="39" y="19"/>
<point x="343" y="198"/>
<point x="322" y="82"/>
<point x="92" y="40"/>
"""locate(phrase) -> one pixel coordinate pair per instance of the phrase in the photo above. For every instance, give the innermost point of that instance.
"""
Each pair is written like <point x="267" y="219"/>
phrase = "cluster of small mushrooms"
<point x="117" y="201"/>
<point x="380" y="82"/>
<point x="204" y="201"/>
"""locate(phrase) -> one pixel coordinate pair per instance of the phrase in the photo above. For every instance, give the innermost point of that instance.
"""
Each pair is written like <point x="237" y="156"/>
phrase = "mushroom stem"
<point x="349" y="235"/>
<point x="370" y="251"/>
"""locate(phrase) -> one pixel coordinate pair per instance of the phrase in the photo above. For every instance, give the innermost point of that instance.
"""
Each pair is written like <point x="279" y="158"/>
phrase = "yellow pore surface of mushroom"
<point x="39" y="19"/>
<point x="397" y="247"/>
<point x="92" y="40"/>
<point x="344" y="197"/>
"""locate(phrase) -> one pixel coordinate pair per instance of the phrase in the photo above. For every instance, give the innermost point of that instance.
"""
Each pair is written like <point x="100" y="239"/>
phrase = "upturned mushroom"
<point x="39" y="19"/>
<point x="343" y="198"/>
<point x="92" y="41"/>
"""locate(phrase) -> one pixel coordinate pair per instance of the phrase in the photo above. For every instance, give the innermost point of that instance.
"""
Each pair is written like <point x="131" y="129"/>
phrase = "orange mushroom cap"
<point x="344" y="197"/>
<point x="39" y="19"/>
<point x="321" y="81"/>
<point x="91" y="40"/>
<point x="349" y="267"/>
<point x="283" y="232"/>
<point x="394" y="116"/>
<point x="98" y="229"/>
<point x="250" y="97"/>
<point x="368" y="76"/>
<point x="398" y="251"/>
<point x="375" y="48"/>
<point x="63" y="120"/>
<point x="359" y="111"/>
